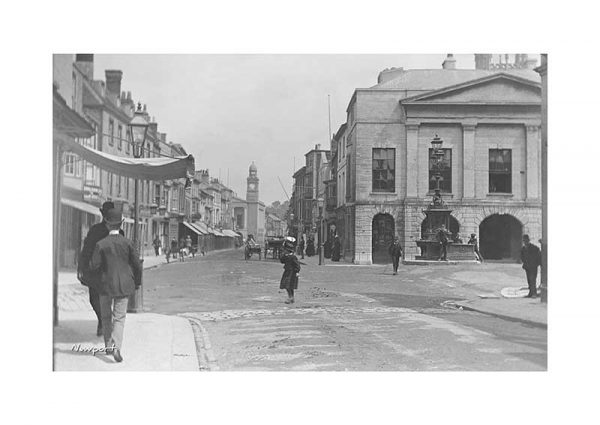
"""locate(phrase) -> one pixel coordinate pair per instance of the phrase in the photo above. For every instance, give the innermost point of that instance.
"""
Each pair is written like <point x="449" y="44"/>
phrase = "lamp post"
<point x="437" y="156"/>
<point x="138" y="129"/>
<point x="320" y="203"/>
<point x="543" y="71"/>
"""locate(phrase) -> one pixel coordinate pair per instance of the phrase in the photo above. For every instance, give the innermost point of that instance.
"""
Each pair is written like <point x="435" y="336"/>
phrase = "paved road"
<point x="345" y="317"/>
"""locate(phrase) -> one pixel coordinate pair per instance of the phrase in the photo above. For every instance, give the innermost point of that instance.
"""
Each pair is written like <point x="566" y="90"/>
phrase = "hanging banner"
<point x="137" y="168"/>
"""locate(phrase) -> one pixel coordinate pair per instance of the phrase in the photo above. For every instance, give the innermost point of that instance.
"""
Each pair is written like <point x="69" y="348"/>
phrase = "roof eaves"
<point x="469" y="83"/>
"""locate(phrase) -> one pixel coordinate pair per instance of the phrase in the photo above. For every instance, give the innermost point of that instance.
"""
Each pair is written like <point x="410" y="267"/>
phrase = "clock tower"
<point x="252" y="188"/>
<point x="256" y="209"/>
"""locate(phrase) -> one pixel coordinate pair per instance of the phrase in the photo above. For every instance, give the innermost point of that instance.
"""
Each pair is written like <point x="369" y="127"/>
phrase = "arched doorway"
<point x="454" y="227"/>
<point x="500" y="237"/>
<point x="383" y="236"/>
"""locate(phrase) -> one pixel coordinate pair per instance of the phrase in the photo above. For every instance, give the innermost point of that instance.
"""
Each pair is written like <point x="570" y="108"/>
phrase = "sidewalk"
<point x="528" y="310"/>
<point x="152" y="342"/>
<point x="487" y="288"/>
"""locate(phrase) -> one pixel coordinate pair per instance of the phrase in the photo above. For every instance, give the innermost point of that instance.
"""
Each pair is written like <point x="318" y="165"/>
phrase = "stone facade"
<point x="473" y="112"/>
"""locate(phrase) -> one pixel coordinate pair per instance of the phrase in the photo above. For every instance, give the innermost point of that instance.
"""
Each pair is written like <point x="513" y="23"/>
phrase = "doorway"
<point x="383" y="236"/>
<point x="500" y="237"/>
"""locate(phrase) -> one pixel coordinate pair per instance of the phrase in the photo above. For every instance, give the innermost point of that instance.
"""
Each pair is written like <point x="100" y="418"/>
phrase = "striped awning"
<point x="201" y="227"/>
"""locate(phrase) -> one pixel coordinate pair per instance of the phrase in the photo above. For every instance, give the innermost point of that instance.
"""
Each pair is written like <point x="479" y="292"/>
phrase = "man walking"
<point x="395" y="251"/>
<point x="531" y="257"/>
<point x="85" y="275"/>
<point x="301" y="246"/>
<point x="118" y="261"/>
<point x="473" y="241"/>
<point x="443" y="237"/>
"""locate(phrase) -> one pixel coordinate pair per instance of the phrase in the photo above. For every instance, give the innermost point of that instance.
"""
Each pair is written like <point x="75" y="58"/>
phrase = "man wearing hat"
<point x="85" y="275"/>
<point x="118" y="261"/>
<point x="395" y="251"/>
<point x="531" y="257"/>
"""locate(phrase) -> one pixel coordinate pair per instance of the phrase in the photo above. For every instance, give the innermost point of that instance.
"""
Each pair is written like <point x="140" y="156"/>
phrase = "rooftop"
<point x="432" y="79"/>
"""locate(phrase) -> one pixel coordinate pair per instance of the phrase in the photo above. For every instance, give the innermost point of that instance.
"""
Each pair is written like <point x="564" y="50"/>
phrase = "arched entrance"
<point x="500" y="237"/>
<point x="383" y="236"/>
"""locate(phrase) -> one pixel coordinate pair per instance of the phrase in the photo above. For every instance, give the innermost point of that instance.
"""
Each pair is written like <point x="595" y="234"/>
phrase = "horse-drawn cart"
<point x="252" y="248"/>
<point x="275" y="245"/>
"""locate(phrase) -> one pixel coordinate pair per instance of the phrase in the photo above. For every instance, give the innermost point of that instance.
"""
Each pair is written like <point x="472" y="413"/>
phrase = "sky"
<point x="230" y="110"/>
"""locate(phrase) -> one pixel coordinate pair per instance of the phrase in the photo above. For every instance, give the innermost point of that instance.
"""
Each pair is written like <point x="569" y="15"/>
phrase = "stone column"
<point x="412" y="138"/>
<point x="468" y="160"/>
<point x="533" y="158"/>
<point x="362" y="235"/>
<point x="411" y="231"/>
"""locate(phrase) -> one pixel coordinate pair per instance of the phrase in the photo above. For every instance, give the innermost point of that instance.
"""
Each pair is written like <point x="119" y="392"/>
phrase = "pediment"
<point x="495" y="89"/>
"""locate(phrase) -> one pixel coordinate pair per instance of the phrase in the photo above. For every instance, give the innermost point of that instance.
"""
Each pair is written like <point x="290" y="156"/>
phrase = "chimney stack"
<point x="449" y="62"/>
<point x="389" y="74"/>
<point x="204" y="176"/>
<point x="113" y="81"/>
<point x="530" y="63"/>
<point x="85" y="62"/>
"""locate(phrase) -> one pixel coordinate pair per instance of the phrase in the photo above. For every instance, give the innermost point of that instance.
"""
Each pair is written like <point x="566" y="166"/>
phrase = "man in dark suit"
<point x="86" y="276"/>
<point x="444" y="238"/>
<point x="395" y="251"/>
<point x="531" y="257"/>
<point x="118" y="261"/>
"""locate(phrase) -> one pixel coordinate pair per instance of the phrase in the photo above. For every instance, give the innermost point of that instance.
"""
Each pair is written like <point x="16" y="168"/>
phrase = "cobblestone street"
<point x="345" y="317"/>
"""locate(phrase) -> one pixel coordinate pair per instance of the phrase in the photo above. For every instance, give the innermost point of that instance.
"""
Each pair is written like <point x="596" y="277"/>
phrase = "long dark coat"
<point x="531" y="257"/>
<point x="395" y="250"/>
<point x="310" y="247"/>
<point x="291" y="266"/>
<point x="337" y="247"/>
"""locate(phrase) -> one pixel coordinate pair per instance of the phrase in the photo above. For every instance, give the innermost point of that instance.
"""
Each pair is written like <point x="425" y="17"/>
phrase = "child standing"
<point x="291" y="269"/>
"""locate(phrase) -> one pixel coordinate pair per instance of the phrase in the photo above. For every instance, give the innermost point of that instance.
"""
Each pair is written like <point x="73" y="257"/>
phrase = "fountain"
<point x="438" y="214"/>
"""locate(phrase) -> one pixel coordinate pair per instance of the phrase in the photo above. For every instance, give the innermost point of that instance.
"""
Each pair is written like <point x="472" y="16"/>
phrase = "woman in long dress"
<point x="337" y="247"/>
<point x="291" y="269"/>
<point x="310" y="247"/>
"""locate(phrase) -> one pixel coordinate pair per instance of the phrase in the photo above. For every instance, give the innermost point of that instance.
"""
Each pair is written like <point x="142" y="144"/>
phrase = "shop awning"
<point x="200" y="229"/>
<point x="82" y="206"/>
<point x="140" y="168"/>
<point x="230" y="233"/>
<point x="192" y="228"/>
<point x="218" y="233"/>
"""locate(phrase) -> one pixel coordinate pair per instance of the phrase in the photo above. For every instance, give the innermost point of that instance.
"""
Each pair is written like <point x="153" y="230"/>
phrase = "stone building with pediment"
<point x="489" y="120"/>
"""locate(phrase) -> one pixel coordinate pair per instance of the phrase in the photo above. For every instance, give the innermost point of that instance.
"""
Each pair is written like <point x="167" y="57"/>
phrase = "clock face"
<point x="252" y="186"/>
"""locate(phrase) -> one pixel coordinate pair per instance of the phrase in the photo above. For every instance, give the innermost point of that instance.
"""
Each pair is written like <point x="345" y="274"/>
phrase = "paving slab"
<point x="151" y="342"/>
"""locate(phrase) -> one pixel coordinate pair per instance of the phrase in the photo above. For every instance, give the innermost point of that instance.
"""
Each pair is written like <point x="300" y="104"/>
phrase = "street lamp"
<point x="138" y="129"/>
<point x="437" y="156"/>
<point x="320" y="203"/>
